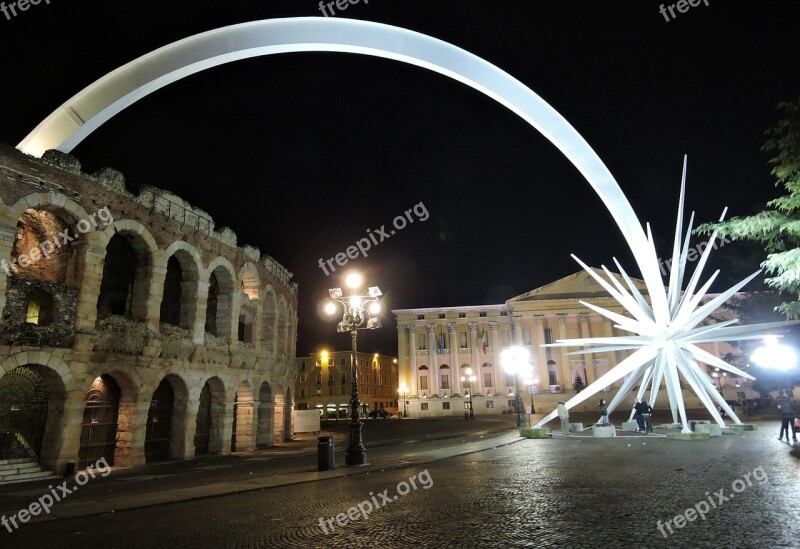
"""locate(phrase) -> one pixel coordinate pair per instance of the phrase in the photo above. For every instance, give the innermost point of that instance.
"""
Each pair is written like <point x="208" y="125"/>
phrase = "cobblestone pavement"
<point x="534" y="493"/>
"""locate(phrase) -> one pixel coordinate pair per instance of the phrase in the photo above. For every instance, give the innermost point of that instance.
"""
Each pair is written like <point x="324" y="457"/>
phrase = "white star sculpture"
<point x="667" y="330"/>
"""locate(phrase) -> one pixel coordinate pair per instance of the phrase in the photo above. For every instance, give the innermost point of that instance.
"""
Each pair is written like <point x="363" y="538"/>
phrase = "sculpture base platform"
<point x="604" y="432"/>
<point x="749" y="426"/>
<point x="688" y="436"/>
<point x="575" y="427"/>
<point x="629" y="426"/>
<point x="536" y="432"/>
<point x="732" y="430"/>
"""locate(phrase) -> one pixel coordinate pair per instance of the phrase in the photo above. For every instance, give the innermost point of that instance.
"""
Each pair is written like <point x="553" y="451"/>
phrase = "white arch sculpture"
<point x="659" y="330"/>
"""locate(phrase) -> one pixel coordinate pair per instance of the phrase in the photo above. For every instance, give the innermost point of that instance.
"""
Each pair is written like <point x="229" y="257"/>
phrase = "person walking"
<point x="603" y="412"/>
<point x="788" y="411"/>
<point x="563" y="415"/>
<point x="637" y="415"/>
<point x="647" y="415"/>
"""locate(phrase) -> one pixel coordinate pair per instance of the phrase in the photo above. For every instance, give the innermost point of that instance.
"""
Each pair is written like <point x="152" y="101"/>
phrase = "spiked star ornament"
<point x="666" y="331"/>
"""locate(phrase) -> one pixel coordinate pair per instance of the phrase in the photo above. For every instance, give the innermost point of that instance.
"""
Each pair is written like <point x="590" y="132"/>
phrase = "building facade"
<point x="132" y="329"/>
<point x="324" y="383"/>
<point x="436" y="347"/>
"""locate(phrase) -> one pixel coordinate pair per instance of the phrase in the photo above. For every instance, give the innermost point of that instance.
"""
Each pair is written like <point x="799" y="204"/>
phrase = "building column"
<point x="588" y="361"/>
<point x="433" y="380"/>
<point x="496" y="342"/>
<point x="474" y="358"/>
<point x="540" y="354"/>
<point x="455" y="367"/>
<point x="412" y="360"/>
<point x="566" y="379"/>
<point x="402" y="357"/>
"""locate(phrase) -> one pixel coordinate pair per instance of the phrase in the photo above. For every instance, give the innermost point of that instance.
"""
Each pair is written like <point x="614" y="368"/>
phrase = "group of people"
<point x="642" y="413"/>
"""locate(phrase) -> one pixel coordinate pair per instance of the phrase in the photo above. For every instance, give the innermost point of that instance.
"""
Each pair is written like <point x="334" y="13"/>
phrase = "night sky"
<point x="300" y="154"/>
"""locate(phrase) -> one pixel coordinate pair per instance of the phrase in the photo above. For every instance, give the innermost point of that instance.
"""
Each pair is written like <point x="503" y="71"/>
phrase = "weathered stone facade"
<point x="151" y="334"/>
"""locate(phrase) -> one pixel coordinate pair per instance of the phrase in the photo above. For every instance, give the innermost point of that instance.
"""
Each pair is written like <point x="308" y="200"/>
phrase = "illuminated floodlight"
<point x="774" y="355"/>
<point x="353" y="280"/>
<point x="330" y="308"/>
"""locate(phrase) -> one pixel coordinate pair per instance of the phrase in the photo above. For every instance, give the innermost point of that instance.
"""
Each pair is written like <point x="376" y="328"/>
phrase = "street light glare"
<point x="330" y="308"/>
<point x="375" y="308"/>
<point x="355" y="302"/>
<point x="353" y="280"/>
<point x="775" y="355"/>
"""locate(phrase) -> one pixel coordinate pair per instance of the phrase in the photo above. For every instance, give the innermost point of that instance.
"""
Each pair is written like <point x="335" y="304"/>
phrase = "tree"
<point x="578" y="385"/>
<point x="777" y="228"/>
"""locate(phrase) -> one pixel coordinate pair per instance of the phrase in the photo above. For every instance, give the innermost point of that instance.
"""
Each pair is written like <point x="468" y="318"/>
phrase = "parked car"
<point x="379" y="414"/>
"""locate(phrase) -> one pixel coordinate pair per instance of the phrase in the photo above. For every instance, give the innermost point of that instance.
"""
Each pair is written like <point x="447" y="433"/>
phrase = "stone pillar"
<point x="586" y="332"/>
<point x="433" y="381"/>
<point x="540" y="354"/>
<point x="566" y="379"/>
<point x="89" y="261"/>
<point x="412" y="360"/>
<point x="402" y="357"/>
<point x="496" y="344"/>
<point x="7" y="234"/>
<point x="474" y="357"/>
<point x="63" y="436"/>
<point x="455" y="367"/>
<point x="199" y="323"/>
<point x="131" y="431"/>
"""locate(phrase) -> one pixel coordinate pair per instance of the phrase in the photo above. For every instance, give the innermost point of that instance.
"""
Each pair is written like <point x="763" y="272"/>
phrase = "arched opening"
<point x="219" y="308"/>
<point x="99" y="427"/>
<point x="242" y="435"/>
<point x="250" y="283"/>
<point x="23" y="414"/>
<point x="158" y="434"/>
<point x="118" y="286"/>
<point x="41" y="308"/>
<point x="171" y="300"/>
<point x="265" y="417"/>
<point x="210" y="418"/>
<point x="39" y="252"/>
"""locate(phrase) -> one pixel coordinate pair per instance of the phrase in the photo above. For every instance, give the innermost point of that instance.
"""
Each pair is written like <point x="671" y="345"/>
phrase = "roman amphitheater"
<point x="131" y="328"/>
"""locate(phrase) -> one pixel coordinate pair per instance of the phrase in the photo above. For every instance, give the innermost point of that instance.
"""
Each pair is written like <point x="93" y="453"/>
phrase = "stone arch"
<point x="219" y="307"/>
<point x="111" y="416"/>
<point x="242" y="432"/>
<point x="52" y="202"/>
<point x="210" y="423"/>
<point x="43" y="427"/>
<point x="180" y="295"/>
<point x="265" y="425"/>
<point x="127" y="291"/>
<point x="167" y="439"/>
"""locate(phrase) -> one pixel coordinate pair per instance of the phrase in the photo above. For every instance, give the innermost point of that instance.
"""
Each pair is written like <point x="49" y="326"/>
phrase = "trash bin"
<point x="325" y="458"/>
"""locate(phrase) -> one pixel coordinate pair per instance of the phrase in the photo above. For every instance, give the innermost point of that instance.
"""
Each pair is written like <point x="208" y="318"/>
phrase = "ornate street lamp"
<point x="403" y="390"/>
<point x="515" y="362"/>
<point x="359" y="314"/>
<point x="469" y="379"/>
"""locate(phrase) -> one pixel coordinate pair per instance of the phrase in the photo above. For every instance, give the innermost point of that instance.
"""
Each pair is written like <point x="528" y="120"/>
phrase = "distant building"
<point x="436" y="346"/>
<point x="324" y="383"/>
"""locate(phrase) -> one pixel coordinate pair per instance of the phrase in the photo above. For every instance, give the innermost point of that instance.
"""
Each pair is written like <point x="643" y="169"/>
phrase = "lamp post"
<point x="403" y="390"/>
<point x="515" y="362"/>
<point x="469" y="378"/>
<point x="359" y="314"/>
<point x="530" y="382"/>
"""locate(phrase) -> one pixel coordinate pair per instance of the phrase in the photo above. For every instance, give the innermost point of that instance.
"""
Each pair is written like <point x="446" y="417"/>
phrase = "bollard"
<point x="325" y="457"/>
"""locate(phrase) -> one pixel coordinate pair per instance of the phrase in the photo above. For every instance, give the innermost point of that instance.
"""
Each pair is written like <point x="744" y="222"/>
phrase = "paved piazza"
<point x="532" y="493"/>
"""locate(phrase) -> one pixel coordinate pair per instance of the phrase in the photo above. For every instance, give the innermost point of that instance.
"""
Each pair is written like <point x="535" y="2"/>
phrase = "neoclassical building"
<point x="437" y="345"/>
<point x="132" y="329"/>
<point x="324" y="383"/>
